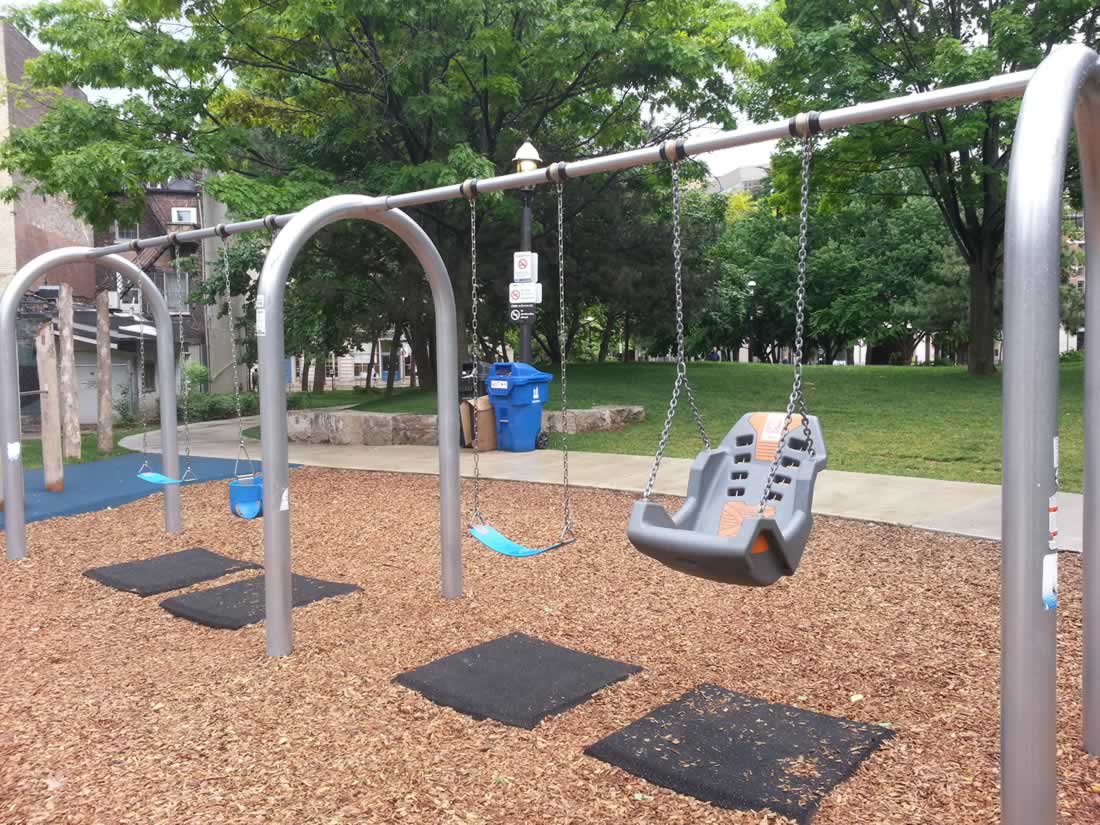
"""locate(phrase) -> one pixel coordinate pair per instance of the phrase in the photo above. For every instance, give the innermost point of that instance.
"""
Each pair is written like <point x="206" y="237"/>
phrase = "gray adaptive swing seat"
<point x="718" y="534"/>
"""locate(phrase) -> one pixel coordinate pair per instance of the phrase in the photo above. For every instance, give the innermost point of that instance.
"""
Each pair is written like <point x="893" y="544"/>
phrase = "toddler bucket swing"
<point x="480" y="529"/>
<point x="246" y="490"/>
<point x="747" y="514"/>
<point x="146" y="472"/>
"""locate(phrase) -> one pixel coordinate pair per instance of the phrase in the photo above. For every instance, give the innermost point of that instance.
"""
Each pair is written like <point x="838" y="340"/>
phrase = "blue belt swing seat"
<point x="480" y="530"/>
<point x="145" y="472"/>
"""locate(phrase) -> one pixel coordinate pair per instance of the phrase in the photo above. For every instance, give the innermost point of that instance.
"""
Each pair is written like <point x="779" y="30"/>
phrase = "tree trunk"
<point x="70" y="405"/>
<point x="49" y="405"/>
<point x="395" y="353"/>
<point x="305" y="373"/>
<point x="628" y="353"/>
<point x="105" y="425"/>
<point x="422" y="355"/>
<point x="605" y="337"/>
<point x="412" y="360"/>
<point x="980" y="348"/>
<point x="370" y="366"/>
<point x="320" y="367"/>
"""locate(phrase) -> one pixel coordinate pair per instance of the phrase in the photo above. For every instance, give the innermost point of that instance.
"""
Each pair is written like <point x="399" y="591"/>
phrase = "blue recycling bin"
<point x="517" y="392"/>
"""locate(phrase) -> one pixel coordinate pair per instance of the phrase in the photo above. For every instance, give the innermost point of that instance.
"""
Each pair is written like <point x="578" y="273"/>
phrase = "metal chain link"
<point x="475" y="351"/>
<point x="141" y="396"/>
<point x="681" y="357"/>
<point x="188" y="475"/>
<point x="242" y="448"/>
<point x="567" y="533"/>
<point x="796" y="400"/>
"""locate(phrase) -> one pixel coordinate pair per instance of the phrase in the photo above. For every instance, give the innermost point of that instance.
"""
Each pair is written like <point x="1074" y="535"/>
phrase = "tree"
<point x="860" y="50"/>
<point x="870" y="261"/>
<point x="371" y="97"/>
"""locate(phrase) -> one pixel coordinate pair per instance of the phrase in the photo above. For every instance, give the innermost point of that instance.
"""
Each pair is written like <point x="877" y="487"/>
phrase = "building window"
<point x="128" y="232"/>
<point x="149" y="376"/>
<point x="362" y="369"/>
<point x="177" y="290"/>
<point x="185" y="215"/>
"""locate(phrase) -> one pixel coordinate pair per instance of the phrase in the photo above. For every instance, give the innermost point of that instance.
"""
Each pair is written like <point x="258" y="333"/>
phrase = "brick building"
<point x="35" y="223"/>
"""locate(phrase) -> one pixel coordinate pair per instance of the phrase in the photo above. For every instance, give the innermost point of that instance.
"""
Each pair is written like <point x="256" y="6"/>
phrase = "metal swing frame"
<point x="1062" y="94"/>
<point x="480" y="529"/>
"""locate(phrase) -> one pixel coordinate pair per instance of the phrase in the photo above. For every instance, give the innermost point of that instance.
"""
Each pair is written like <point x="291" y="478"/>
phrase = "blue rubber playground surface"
<point x="98" y="485"/>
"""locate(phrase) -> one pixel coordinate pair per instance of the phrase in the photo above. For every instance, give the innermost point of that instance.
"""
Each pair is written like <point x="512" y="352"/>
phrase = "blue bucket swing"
<point x="480" y="529"/>
<point x="246" y="492"/>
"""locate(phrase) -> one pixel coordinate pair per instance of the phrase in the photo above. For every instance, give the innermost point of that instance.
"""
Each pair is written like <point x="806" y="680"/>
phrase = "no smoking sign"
<point x="525" y="267"/>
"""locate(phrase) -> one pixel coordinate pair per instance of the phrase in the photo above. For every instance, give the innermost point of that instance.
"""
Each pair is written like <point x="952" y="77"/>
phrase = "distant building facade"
<point x="34" y="223"/>
<point x="749" y="179"/>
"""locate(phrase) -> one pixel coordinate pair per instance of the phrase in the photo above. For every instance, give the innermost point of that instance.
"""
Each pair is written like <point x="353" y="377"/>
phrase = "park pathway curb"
<point x="958" y="507"/>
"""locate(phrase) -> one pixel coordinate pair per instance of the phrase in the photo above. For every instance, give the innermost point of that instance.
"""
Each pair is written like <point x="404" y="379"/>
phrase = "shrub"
<point x="197" y="374"/>
<point x="213" y="406"/>
<point x="1075" y="357"/>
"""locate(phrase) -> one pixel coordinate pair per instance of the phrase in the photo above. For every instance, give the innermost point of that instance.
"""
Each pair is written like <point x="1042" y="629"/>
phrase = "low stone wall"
<point x="594" y="420"/>
<point x="385" y="429"/>
<point x="353" y="427"/>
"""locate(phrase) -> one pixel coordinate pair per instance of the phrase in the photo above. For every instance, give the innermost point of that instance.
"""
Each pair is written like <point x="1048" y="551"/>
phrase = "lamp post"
<point x="527" y="159"/>
<point x="752" y="288"/>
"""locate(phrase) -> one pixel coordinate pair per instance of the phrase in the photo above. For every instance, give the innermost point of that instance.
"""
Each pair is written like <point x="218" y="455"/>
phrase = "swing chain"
<point x="475" y="351"/>
<point x="566" y="495"/>
<point x="242" y="448"/>
<point x="797" y="399"/>
<point x="141" y="396"/>
<point x="681" y="356"/>
<point x="188" y="474"/>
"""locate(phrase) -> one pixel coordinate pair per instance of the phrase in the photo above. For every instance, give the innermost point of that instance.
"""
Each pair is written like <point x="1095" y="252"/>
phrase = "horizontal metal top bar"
<point x="996" y="88"/>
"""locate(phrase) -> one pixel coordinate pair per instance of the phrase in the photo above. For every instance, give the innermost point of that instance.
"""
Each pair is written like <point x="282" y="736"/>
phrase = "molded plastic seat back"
<point x="718" y="533"/>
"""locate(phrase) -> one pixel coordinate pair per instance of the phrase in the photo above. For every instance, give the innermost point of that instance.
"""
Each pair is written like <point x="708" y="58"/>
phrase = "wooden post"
<point x="70" y="404"/>
<point x="50" y="405"/>
<point x="105" y="430"/>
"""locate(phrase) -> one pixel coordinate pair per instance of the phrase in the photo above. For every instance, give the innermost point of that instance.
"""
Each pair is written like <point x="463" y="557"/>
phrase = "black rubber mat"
<point x="737" y="751"/>
<point x="516" y="679"/>
<point x="236" y="605"/>
<point x="172" y="571"/>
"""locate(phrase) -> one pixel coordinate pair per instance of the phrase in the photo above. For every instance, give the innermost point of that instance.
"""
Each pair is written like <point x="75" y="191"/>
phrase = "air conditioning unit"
<point x="185" y="216"/>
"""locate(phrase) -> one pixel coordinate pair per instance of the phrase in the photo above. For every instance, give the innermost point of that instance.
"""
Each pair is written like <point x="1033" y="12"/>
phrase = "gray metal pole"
<point x="526" y="327"/>
<point x="269" y="329"/>
<point x="1088" y="148"/>
<point x="996" y="88"/>
<point x="1033" y="235"/>
<point x="15" y="524"/>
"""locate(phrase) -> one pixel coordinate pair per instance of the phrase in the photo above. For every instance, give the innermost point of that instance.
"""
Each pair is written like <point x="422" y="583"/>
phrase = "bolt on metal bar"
<point x="996" y="88"/>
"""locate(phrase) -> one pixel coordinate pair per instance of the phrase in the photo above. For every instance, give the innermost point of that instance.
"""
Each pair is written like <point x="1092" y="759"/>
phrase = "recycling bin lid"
<point x="518" y="373"/>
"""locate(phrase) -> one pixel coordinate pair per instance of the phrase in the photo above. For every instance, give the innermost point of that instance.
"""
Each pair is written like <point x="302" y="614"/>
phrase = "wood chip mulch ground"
<point x="112" y="711"/>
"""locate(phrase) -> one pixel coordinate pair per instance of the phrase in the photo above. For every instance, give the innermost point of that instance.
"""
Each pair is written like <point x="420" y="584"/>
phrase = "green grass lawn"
<point x="32" y="449"/>
<point x="934" y="422"/>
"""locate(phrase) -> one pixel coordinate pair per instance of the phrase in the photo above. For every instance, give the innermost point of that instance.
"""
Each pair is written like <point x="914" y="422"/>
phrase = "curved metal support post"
<point x="269" y="330"/>
<point x="1033" y="238"/>
<point x="1088" y="148"/>
<point x="14" y="513"/>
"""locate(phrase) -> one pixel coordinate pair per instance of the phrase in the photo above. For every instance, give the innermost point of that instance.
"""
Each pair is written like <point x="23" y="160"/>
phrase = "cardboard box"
<point x="486" y="423"/>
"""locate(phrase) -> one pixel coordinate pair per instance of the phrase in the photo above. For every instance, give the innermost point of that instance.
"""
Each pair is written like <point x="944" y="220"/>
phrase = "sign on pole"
<point x="525" y="294"/>
<point x="521" y="313"/>
<point x="525" y="267"/>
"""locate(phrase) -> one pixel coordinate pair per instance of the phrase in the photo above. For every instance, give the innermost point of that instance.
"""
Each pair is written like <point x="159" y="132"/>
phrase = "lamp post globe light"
<point x="527" y="159"/>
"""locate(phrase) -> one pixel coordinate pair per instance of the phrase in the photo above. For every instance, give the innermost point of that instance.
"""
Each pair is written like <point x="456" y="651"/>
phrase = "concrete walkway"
<point x="947" y="506"/>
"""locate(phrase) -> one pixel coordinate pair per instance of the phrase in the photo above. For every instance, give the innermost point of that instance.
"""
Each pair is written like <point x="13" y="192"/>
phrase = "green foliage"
<point x="198" y="375"/>
<point x="862" y="50"/>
